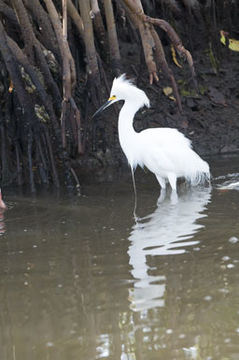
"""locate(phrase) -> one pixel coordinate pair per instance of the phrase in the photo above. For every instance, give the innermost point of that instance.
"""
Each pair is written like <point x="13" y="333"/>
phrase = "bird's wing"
<point x="167" y="150"/>
<point x="165" y="137"/>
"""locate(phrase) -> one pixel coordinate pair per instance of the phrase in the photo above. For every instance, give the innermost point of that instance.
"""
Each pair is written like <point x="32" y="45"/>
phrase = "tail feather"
<point x="200" y="173"/>
<point x="198" y="177"/>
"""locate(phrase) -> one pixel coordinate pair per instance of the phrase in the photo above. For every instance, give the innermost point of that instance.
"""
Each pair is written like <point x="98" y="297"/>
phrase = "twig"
<point x="177" y="43"/>
<point x="162" y="60"/>
<point x="19" y="168"/>
<point x="29" y="153"/>
<point x="78" y="189"/>
<point x="77" y="118"/>
<point x="54" y="171"/>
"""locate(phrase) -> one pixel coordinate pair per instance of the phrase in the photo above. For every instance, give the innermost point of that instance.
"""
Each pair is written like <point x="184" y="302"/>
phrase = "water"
<point x="79" y="279"/>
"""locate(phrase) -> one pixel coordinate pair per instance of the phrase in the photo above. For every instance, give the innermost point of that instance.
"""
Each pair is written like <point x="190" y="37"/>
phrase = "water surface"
<point x="81" y="280"/>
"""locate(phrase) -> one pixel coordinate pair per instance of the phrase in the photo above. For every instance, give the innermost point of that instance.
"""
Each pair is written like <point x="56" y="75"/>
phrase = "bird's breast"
<point x="131" y="149"/>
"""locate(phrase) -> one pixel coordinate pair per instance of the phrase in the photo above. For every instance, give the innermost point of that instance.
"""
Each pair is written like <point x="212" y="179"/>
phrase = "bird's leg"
<point x="135" y="195"/>
<point x="161" y="196"/>
<point x="172" y="181"/>
<point x="174" y="197"/>
<point x="161" y="181"/>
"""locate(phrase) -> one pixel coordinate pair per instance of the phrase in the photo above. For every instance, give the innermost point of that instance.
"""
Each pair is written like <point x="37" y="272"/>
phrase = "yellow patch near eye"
<point x="112" y="98"/>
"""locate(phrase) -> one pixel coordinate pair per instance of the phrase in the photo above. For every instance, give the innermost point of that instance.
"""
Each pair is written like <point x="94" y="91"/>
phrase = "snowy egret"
<point x="164" y="151"/>
<point x="2" y="204"/>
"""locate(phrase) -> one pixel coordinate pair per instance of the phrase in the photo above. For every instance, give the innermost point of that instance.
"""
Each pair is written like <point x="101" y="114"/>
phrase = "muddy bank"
<point x="50" y="91"/>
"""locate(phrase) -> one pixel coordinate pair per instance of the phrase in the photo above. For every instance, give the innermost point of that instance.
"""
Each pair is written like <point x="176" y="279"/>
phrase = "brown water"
<point x="81" y="280"/>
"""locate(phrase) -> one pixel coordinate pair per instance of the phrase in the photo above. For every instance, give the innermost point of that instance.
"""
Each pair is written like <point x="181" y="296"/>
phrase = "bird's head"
<point x="124" y="89"/>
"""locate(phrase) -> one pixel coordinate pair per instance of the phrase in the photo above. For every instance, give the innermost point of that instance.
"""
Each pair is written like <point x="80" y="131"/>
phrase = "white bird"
<point x="164" y="151"/>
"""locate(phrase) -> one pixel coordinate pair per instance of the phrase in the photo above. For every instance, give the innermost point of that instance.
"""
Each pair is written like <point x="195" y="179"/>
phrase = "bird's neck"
<point x="127" y="134"/>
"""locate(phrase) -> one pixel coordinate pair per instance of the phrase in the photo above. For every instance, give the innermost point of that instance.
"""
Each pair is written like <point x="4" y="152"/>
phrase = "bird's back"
<point x="166" y="136"/>
<point x="166" y="150"/>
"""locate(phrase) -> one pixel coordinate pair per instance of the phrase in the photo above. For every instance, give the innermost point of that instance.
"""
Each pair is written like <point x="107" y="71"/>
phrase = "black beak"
<point x="110" y="101"/>
<point x="103" y="107"/>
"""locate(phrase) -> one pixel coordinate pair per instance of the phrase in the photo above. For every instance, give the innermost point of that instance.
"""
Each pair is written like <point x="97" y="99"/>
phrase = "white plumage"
<point x="164" y="151"/>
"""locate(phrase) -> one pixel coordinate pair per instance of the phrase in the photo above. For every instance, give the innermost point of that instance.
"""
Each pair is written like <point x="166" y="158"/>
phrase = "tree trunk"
<point x="92" y="64"/>
<point x="89" y="38"/>
<point x="99" y="27"/>
<point x="112" y="36"/>
<point x="69" y="73"/>
<point x="9" y="13"/>
<point x="23" y="96"/>
<point x="26" y="28"/>
<point x="45" y="30"/>
<point x="73" y="12"/>
<point x="63" y="45"/>
<point x="31" y="71"/>
<point x="146" y="38"/>
<point x="34" y="49"/>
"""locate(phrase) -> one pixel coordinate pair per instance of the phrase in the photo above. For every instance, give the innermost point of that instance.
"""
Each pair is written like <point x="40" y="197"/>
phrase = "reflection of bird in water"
<point x="230" y="181"/>
<point x="167" y="231"/>
<point x="229" y="186"/>
<point x="2" y="204"/>
<point x="164" y="151"/>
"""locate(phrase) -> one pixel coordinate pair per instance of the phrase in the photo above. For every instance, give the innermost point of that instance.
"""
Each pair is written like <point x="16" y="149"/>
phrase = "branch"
<point x="9" y="13"/>
<point x="73" y="12"/>
<point x="162" y="60"/>
<point x="177" y="42"/>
